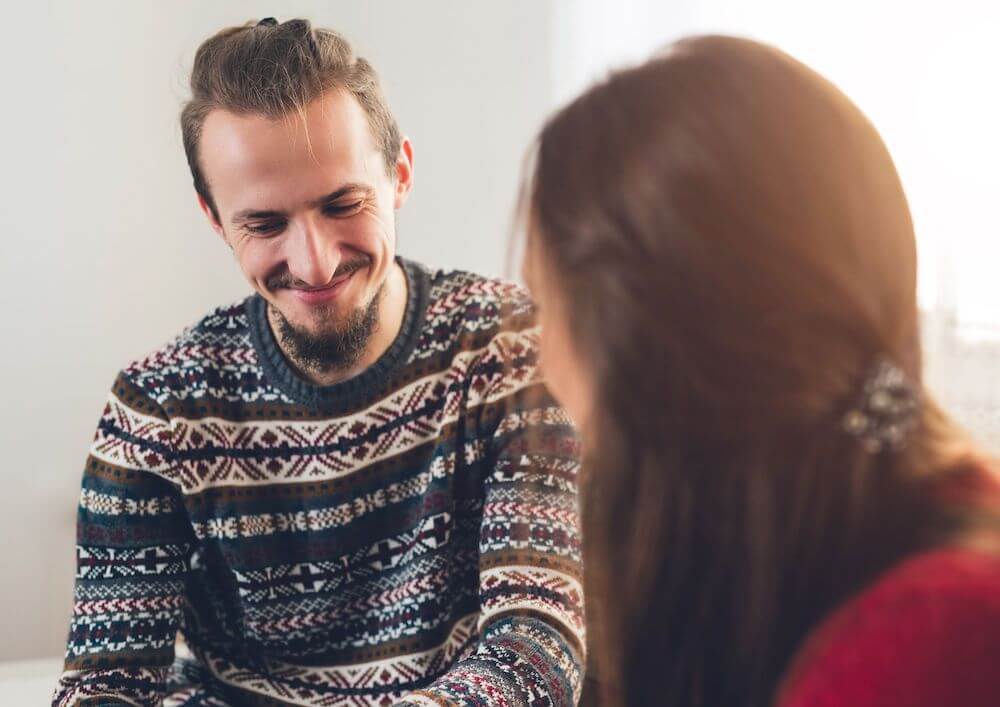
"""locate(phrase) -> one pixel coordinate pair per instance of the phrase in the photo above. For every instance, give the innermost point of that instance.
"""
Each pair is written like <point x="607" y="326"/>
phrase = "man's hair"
<point x="273" y="69"/>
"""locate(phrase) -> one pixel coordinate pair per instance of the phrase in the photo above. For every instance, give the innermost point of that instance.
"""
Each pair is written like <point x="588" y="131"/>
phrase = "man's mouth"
<point x="330" y="285"/>
<point x="327" y="292"/>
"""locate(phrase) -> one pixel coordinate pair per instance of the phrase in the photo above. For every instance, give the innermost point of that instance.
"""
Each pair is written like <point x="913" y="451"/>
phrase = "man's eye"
<point x="263" y="229"/>
<point x="343" y="209"/>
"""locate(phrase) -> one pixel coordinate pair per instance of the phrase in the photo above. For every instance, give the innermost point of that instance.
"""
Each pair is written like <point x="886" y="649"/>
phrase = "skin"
<point x="307" y="205"/>
<point x="566" y="374"/>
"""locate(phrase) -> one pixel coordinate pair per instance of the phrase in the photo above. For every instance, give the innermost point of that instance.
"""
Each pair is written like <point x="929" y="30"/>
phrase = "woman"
<point x="775" y="511"/>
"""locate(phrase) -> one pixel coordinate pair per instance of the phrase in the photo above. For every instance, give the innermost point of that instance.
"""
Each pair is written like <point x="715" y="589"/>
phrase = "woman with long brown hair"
<point x="775" y="510"/>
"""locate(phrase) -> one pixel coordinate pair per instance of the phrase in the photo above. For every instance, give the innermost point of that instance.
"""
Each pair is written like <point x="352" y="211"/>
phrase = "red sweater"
<point x="926" y="634"/>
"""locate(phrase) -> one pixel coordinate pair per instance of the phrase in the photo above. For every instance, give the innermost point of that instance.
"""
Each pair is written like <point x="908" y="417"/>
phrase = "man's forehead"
<point x="311" y="152"/>
<point x="331" y="126"/>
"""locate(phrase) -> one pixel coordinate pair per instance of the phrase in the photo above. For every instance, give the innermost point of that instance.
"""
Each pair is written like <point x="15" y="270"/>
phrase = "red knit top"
<point x="926" y="634"/>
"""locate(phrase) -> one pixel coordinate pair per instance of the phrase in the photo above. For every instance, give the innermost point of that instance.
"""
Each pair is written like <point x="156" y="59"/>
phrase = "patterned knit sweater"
<point x="409" y="536"/>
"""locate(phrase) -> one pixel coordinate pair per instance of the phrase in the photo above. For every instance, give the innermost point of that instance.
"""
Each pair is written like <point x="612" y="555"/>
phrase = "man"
<point x="350" y="488"/>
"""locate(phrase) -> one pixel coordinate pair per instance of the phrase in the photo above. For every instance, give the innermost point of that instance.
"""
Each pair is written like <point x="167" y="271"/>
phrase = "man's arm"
<point x="133" y="550"/>
<point x="531" y="648"/>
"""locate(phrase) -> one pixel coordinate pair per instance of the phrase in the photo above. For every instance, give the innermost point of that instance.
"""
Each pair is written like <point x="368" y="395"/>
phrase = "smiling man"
<point x="310" y="208"/>
<point x="351" y="487"/>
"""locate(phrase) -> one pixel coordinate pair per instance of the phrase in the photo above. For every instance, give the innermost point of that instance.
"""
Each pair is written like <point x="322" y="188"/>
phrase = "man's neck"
<point x="392" y="309"/>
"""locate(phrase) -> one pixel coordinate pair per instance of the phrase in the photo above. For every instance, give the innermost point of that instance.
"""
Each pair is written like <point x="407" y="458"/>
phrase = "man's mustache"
<point x="285" y="280"/>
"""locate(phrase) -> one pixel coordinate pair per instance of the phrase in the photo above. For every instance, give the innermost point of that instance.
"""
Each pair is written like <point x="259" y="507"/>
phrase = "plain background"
<point x="106" y="255"/>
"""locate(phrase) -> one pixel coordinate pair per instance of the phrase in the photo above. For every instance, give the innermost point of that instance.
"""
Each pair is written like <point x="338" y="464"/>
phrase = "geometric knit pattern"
<point x="409" y="536"/>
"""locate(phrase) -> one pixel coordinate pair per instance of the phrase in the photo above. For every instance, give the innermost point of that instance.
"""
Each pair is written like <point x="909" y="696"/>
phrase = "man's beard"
<point x="335" y="350"/>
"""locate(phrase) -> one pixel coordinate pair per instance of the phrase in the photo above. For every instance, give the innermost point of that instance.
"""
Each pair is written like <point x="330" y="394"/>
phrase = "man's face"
<point x="307" y="205"/>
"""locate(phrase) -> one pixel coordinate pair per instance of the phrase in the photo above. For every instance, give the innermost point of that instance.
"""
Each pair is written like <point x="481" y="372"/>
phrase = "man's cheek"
<point x="373" y="228"/>
<point x="256" y="262"/>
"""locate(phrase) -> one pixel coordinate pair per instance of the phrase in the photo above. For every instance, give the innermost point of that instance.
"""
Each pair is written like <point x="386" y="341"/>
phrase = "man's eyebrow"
<point x="254" y="214"/>
<point x="251" y="215"/>
<point x="346" y="189"/>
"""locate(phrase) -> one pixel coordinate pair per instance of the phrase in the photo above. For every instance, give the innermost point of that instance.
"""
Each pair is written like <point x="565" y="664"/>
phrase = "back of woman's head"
<point x="736" y="253"/>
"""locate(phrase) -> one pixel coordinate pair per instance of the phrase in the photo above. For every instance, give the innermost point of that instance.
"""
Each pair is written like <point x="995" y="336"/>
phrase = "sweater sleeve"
<point x="927" y="637"/>
<point x="132" y="554"/>
<point x="531" y="625"/>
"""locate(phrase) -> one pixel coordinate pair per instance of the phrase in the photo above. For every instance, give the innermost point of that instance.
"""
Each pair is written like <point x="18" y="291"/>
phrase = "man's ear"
<point x="212" y="221"/>
<point x="404" y="172"/>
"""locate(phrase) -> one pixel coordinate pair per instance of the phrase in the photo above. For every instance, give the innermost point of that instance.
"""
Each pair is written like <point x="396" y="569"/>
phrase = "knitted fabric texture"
<point x="409" y="536"/>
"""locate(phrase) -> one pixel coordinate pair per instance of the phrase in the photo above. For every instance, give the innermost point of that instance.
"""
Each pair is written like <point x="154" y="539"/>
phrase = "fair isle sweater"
<point x="408" y="536"/>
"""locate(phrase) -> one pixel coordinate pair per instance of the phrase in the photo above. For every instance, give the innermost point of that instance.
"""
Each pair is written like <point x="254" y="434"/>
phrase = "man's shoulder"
<point x="472" y="302"/>
<point x="487" y="326"/>
<point x="191" y="360"/>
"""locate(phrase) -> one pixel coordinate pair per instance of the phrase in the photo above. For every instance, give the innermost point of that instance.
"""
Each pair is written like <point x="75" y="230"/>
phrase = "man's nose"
<point x="312" y="254"/>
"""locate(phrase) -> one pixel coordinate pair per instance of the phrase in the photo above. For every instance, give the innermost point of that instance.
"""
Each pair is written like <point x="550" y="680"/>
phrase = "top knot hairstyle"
<point x="272" y="69"/>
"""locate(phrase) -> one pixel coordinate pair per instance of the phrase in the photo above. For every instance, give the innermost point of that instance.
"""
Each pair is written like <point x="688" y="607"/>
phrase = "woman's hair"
<point x="737" y="252"/>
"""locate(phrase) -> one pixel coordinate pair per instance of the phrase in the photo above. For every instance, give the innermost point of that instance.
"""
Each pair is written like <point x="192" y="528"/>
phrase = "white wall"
<point x="106" y="256"/>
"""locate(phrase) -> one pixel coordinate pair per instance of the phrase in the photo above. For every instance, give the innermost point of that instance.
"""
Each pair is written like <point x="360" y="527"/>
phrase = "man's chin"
<point x="314" y="319"/>
<point x="319" y="325"/>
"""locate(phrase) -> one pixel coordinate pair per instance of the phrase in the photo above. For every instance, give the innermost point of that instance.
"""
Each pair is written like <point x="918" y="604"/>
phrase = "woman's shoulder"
<point x="925" y="633"/>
